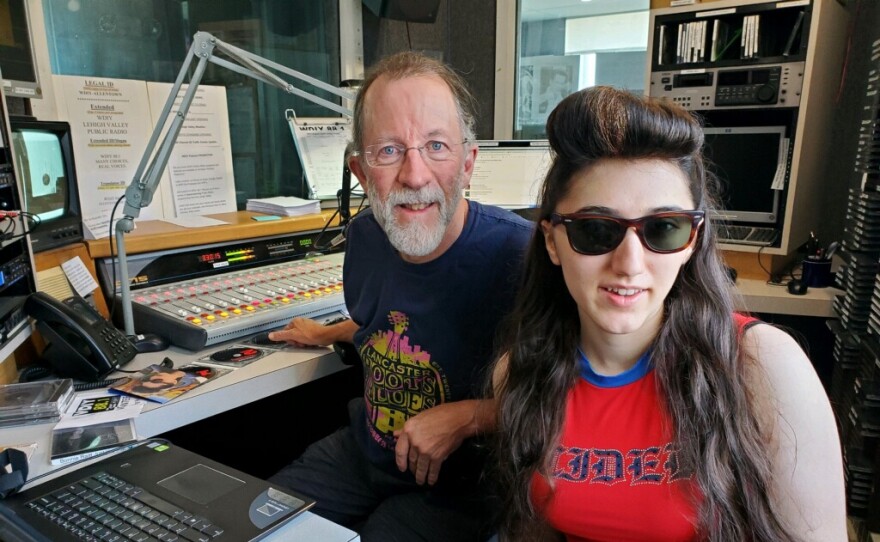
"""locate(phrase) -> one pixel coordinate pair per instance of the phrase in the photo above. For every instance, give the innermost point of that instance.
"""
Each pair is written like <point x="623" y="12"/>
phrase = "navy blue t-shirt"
<point x="427" y="330"/>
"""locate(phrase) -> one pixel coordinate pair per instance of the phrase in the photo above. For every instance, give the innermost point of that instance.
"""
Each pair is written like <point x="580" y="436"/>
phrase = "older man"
<point x="428" y="276"/>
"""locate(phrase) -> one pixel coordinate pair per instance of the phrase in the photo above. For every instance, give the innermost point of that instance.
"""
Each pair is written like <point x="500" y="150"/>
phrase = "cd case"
<point x="71" y="441"/>
<point x="34" y="402"/>
<point x="161" y="384"/>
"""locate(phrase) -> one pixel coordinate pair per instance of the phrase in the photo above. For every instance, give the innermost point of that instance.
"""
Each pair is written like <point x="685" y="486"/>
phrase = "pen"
<point x="812" y="245"/>
<point x="832" y="248"/>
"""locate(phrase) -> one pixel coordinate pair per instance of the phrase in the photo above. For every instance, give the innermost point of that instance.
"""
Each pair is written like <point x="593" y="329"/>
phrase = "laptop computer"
<point x="154" y="491"/>
<point x="509" y="173"/>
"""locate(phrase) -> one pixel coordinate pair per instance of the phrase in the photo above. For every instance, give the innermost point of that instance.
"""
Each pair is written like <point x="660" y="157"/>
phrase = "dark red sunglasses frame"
<point x="697" y="218"/>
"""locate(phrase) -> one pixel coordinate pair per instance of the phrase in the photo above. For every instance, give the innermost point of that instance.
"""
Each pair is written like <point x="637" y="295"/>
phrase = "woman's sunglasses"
<point x="663" y="233"/>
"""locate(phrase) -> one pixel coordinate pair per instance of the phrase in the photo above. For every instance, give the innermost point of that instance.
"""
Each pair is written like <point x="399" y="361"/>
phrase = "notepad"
<point x="284" y="206"/>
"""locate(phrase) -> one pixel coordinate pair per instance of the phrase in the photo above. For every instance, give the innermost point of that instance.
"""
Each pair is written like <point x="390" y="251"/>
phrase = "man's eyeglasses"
<point x="390" y="154"/>
<point x="663" y="233"/>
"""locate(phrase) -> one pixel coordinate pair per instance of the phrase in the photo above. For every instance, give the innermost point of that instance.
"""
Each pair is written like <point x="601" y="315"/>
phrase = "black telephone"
<point x="81" y="343"/>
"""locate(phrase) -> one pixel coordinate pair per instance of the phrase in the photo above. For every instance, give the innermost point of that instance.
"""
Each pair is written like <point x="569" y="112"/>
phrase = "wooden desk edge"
<point x="155" y="235"/>
<point x="757" y="296"/>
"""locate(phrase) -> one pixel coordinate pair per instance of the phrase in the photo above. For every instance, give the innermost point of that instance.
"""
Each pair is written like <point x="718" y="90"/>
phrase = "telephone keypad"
<point x="121" y="346"/>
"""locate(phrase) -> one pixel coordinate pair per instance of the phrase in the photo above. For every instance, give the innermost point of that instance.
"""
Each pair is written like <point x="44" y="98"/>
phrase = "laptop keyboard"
<point x="105" y="508"/>
<point x="747" y="235"/>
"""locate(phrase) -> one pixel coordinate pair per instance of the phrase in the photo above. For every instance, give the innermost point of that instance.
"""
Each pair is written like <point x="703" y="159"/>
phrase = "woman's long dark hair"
<point x="697" y="361"/>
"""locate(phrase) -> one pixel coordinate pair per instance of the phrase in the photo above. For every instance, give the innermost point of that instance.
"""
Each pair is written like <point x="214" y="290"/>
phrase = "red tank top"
<point x="615" y="472"/>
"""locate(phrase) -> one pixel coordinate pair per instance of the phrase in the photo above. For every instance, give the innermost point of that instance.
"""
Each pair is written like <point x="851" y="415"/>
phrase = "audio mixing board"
<point x="206" y="295"/>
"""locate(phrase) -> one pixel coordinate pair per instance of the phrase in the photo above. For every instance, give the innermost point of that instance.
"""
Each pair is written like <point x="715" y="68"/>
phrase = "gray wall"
<point x="463" y="36"/>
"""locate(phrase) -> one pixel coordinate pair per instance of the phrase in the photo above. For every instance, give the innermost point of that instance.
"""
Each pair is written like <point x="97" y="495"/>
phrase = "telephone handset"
<point x="81" y="343"/>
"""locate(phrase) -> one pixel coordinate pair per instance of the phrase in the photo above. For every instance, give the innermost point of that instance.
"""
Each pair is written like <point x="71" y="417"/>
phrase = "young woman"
<point x="634" y="404"/>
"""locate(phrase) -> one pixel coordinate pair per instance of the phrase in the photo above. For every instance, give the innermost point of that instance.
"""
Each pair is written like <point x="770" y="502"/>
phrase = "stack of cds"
<point x="856" y="277"/>
<point x="34" y="402"/>
<point x="855" y="382"/>
<point x="863" y="431"/>
<point x="862" y="230"/>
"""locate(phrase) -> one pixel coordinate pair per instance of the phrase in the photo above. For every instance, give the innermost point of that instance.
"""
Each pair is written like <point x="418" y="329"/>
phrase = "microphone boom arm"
<point x="140" y="192"/>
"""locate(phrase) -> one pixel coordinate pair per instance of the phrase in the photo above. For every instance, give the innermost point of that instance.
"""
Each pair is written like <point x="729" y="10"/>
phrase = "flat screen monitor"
<point x="43" y="155"/>
<point x="509" y="173"/>
<point x="750" y="164"/>
<point x="17" y="63"/>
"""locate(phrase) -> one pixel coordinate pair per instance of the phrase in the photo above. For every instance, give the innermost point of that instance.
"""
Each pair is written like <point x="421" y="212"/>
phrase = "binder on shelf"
<point x="703" y="41"/>
<point x="692" y="41"/>
<point x="756" y="38"/>
<point x="661" y="43"/>
<point x="750" y="37"/>
<point x="679" y="45"/>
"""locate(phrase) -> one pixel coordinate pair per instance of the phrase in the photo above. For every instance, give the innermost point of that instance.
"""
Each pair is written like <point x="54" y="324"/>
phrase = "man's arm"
<point x="429" y="437"/>
<point x="308" y="332"/>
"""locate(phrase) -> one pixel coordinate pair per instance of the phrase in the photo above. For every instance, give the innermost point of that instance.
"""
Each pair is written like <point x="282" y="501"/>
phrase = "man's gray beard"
<point x="415" y="239"/>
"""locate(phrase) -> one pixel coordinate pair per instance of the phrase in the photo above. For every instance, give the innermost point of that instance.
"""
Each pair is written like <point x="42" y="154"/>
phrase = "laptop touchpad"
<point x="201" y="484"/>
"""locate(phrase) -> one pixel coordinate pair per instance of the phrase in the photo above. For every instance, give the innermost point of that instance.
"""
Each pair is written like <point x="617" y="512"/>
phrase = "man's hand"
<point x="428" y="438"/>
<point x="308" y="332"/>
<point x="301" y="332"/>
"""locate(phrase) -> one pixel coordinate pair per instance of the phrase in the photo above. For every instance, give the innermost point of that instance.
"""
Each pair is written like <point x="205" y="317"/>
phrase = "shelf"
<point x="754" y="84"/>
<point x="771" y="32"/>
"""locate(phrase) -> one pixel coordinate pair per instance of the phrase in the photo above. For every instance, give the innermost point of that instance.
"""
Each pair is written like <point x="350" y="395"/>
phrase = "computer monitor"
<point x="509" y="173"/>
<point x="20" y="77"/>
<point x="750" y="164"/>
<point x="43" y="155"/>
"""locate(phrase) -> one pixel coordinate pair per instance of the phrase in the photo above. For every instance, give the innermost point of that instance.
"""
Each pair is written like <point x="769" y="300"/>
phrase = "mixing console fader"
<point x="210" y="310"/>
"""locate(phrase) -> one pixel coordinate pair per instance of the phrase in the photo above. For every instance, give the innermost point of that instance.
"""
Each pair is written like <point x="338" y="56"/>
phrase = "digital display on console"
<point x="240" y="255"/>
<point x="209" y="257"/>
<point x="693" y="80"/>
<point x="733" y="78"/>
<point x="224" y="258"/>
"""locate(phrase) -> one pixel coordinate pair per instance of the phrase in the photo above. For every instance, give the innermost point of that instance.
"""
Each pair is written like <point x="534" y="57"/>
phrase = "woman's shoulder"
<point x="770" y="346"/>
<point x="792" y="405"/>
<point x="778" y="360"/>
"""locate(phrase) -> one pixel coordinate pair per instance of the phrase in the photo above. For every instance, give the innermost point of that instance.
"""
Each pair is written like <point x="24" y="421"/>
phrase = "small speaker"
<point x="413" y="11"/>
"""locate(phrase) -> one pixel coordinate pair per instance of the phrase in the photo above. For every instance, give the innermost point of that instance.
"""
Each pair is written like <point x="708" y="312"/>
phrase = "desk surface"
<point x="154" y="235"/>
<point x="758" y="296"/>
<point x="271" y="374"/>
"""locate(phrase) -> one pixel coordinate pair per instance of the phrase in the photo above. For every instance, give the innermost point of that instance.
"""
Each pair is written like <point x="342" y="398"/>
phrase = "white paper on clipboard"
<point x="320" y="143"/>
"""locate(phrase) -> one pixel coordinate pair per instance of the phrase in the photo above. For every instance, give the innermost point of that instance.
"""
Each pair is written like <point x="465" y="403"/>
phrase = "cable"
<point x="318" y="245"/>
<point x="9" y="226"/>
<point x="86" y="386"/>
<point x="764" y="269"/>
<point x="38" y="371"/>
<point x="339" y="203"/>
<point x="34" y="372"/>
<point x="30" y="223"/>
<point x="772" y="279"/>
<point x="35" y="220"/>
<point x="112" y="299"/>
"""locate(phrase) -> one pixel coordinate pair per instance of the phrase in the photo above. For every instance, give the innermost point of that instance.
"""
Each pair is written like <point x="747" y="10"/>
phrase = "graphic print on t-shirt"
<point x="400" y="379"/>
